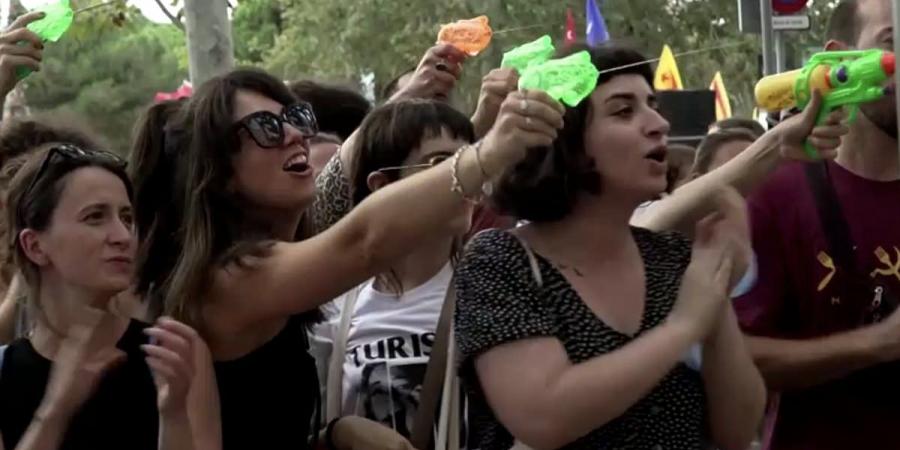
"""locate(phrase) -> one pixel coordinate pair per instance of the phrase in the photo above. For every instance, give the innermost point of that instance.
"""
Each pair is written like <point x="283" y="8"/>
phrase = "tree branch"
<point x="175" y="20"/>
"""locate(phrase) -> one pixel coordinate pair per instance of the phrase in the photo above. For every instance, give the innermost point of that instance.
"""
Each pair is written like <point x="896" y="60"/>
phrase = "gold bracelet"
<point x="456" y="187"/>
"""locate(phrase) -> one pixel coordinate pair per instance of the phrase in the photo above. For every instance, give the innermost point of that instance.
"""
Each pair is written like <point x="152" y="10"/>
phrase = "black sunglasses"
<point x="267" y="128"/>
<point x="72" y="152"/>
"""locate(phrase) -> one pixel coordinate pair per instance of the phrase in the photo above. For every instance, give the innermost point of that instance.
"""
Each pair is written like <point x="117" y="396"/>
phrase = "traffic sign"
<point x="796" y="22"/>
<point x="788" y="6"/>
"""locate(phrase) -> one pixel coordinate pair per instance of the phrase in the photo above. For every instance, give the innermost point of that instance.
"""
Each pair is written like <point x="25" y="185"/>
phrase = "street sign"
<point x="788" y="6"/>
<point x="784" y="23"/>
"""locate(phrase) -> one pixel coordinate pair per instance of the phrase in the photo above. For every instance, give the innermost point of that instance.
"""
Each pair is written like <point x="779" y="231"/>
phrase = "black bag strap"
<point x="831" y="217"/>
<point x="837" y="234"/>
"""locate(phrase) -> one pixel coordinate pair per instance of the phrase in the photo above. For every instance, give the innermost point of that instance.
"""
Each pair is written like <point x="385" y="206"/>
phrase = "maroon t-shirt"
<point x="801" y="294"/>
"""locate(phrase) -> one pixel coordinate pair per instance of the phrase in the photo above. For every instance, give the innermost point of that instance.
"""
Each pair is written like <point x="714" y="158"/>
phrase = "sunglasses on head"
<point x="267" y="128"/>
<point x="65" y="152"/>
<point x="432" y="161"/>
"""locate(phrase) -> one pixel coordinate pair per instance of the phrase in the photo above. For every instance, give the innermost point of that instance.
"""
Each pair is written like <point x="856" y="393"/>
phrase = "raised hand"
<point x="495" y="86"/>
<point x="19" y="47"/>
<point x="825" y="138"/>
<point x="171" y="360"/>
<point x="436" y="75"/>
<point x="80" y="365"/>
<point x="527" y="119"/>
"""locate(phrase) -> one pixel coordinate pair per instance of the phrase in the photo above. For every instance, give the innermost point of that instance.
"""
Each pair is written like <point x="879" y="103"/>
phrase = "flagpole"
<point x="768" y="36"/>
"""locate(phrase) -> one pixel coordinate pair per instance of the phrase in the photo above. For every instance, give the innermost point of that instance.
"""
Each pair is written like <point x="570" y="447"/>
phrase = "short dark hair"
<point x="22" y="135"/>
<point x="392" y="131"/>
<point x="338" y="110"/>
<point x="543" y="186"/>
<point x="711" y="144"/>
<point x="843" y="25"/>
<point x="741" y="123"/>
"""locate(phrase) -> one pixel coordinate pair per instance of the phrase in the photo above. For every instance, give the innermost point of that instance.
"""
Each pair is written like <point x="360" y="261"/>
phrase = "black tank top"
<point x="121" y="414"/>
<point x="268" y="397"/>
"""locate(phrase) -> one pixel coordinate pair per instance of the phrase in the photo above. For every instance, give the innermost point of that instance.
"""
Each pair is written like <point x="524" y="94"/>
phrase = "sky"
<point x="151" y="9"/>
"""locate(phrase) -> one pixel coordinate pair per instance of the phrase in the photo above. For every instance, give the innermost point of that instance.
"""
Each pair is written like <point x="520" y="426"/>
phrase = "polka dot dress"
<point x="499" y="301"/>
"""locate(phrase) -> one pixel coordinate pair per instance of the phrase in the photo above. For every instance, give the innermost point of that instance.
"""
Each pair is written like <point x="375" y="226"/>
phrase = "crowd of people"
<point x="289" y="266"/>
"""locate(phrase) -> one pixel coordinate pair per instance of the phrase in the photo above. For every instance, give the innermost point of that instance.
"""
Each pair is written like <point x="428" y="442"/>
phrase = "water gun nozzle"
<point x="888" y="63"/>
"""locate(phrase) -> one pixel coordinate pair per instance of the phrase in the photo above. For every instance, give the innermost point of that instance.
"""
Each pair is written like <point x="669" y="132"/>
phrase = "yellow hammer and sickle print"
<point x="827" y="263"/>
<point x="890" y="267"/>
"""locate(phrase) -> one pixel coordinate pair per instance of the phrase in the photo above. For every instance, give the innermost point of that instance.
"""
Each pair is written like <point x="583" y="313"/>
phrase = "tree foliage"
<point x="331" y="40"/>
<point x="109" y="73"/>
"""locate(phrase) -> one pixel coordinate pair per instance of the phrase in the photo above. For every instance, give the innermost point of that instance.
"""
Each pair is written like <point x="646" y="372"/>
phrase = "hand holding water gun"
<point x="471" y="36"/>
<point x="436" y="75"/>
<point x="20" y="48"/>
<point x="845" y="78"/>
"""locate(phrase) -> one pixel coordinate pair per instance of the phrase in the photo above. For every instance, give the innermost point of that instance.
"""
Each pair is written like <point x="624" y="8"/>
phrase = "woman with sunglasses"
<point x="244" y="185"/>
<point x="381" y="357"/>
<point x="85" y="377"/>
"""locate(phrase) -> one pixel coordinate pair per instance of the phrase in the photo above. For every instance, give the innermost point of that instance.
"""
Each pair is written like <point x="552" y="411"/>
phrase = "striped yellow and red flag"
<point x="723" y="104"/>
<point x="667" y="76"/>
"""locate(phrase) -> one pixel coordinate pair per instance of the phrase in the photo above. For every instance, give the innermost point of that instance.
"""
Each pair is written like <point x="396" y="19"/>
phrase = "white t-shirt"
<point x="388" y="346"/>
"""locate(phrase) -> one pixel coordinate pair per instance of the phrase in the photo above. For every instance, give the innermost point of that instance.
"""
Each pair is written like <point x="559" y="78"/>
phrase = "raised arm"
<point x="746" y="171"/>
<point x="298" y="277"/>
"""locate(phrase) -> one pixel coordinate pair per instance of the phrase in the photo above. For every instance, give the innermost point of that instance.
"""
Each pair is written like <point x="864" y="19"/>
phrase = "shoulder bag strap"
<point x="433" y="383"/>
<point x="335" y="382"/>
<point x="837" y="231"/>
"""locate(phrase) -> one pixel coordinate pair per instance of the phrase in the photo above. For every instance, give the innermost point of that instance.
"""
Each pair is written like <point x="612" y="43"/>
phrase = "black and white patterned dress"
<point x="499" y="301"/>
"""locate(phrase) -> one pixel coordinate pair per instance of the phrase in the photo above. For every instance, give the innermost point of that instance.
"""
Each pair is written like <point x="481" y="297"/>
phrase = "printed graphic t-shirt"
<point x="802" y="293"/>
<point x="388" y="346"/>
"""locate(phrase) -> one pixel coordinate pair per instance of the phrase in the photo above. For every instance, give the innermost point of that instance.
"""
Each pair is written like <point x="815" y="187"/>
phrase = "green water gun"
<point x="58" y="17"/>
<point x="525" y="55"/>
<point x="844" y="78"/>
<point x="569" y="80"/>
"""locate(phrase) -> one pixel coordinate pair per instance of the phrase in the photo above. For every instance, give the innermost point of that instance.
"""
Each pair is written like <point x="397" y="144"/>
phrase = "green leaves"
<point x="109" y="74"/>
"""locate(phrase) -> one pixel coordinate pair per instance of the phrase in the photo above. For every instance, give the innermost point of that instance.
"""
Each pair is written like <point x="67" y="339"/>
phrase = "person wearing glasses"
<point x="85" y="377"/>
<point x="242" y="184"/>
<point x="381" y="357"/>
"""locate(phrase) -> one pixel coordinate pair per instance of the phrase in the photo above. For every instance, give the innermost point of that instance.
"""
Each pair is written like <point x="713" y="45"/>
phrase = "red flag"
<point x="570" y="27"/>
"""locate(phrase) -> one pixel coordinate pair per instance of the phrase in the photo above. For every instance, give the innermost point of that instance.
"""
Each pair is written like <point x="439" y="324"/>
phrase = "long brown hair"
<point x="215" y="229"/>
<point x="153" y="160"/>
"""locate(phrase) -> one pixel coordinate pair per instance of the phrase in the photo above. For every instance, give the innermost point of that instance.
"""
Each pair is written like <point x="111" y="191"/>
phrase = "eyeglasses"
<point x="71" y="152"/>
<point x="433" y="161"/>
<point x="267" y="128"/>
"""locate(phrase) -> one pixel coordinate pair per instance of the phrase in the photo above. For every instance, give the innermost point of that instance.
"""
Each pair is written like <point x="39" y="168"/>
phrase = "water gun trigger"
<point x="853" y="109"/>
